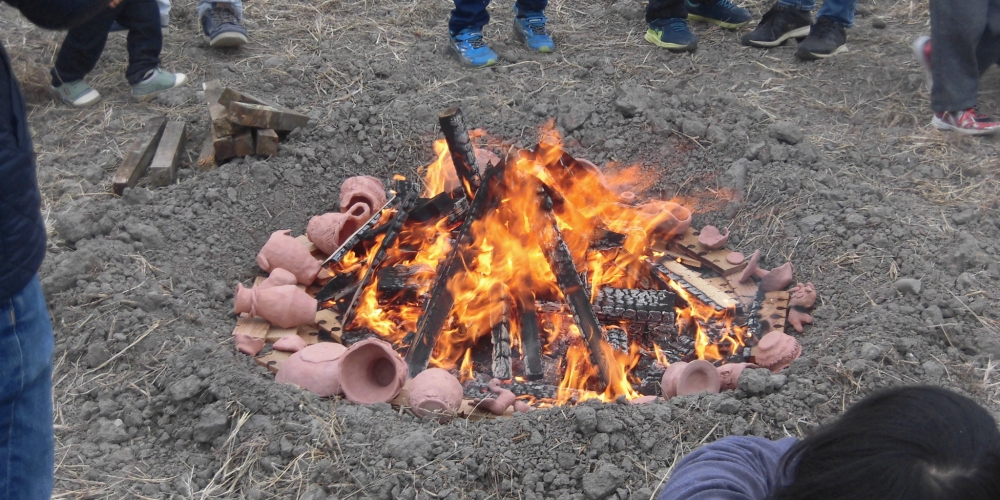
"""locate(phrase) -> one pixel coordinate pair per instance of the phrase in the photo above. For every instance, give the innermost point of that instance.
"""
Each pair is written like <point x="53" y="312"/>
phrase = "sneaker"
<point x="222" y="28"/>
<point x="117" y="28"/>
<point x="470" y="49"/>
<point x="77" y="94"/>
<point x="720" y="12"/>
<point x="922" y="51"/>
<point x="157" y="81"/>
<point x="826" y="38"/>
<point x="529" y="27"/>
<point x="672" y="34"/>
<point x="968" y="122"/>
<point x="777" y="25"/>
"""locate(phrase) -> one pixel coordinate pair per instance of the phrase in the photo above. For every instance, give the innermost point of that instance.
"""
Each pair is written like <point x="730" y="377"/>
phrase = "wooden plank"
<point x="255" y="327"/>
<point x="330" y="322"/>
<point x="229" y="95"/>
<point x="713" y="292"/>
<point x="273" y="360"/>
<point x="774" y="311"/>
<point x="267" y="141"/>
<point x="206" y="158"/>
<point x="243" y="144"/>
<point x="163" y="169"/>
<point x="745" y="292"/>
<point x="221" y="124"/>
<point x="258" y="116"/>
<point x="668" y="253"/>
<point x="687" y="243"/>
<point x="139" y="155"/>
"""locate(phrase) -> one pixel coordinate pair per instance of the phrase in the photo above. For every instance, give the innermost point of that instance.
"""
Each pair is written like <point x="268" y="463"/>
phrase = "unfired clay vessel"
<point x="665" y="217"/>
<point x="776" y="351"/>
<point x="797" y="318"/>
<point x="504" y="399"/>
<point x="802" y="295"/>
<point x="668" y="383"/>
<point x="289" y="343"/>
<point x="281" y="250"/>
<point x="777" y="279"/>
<point x="248" y="345"/>
<point x="278" y="277"/>
<point x="362" y="189"/>
<point x="327" y="231"/>
<point x="315" y="368"/>
<point x="729" y="374"/>
<point x="372" y="372"/>
<point x="711" y="238"/>
<point x="698" y="376"/>
<point x="435" y="394"/>
<point x="641" y="400"/>
<point x="284" y="306"/>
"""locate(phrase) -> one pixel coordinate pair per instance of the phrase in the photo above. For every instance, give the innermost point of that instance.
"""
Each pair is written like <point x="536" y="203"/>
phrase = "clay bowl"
<point x="372" y="372"/>
<point x="698" y="376"/>
<point x="435" y="394"/>
<point x="315" y="368"/>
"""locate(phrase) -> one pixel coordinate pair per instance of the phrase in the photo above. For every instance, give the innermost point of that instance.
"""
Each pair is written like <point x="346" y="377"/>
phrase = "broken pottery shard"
<point x="665" y="217"/>
<point x="803" y="296"/>
<point x="289" y="343"/>
<point x="776" y="351"/>
<point x="314" y="368"/>
<point x="798" y="318"/>
<point x="281" y="250"/>
<point x="435" y="394"/>
<point x="735" y="258"/>
<point x="483" y="157"/>
<point x="325" y="231"/>
<point x="285" y="306"/>
<point x="248" y="345"/>
<point x="729" y="374"/>
<point x="364" y="189"/>
<point x="698" y="376"/>
<point x="498" y="405"/>
<point x="372" y="372"/>
<point x="777" y="278"/>
<point x="712" y="239"/>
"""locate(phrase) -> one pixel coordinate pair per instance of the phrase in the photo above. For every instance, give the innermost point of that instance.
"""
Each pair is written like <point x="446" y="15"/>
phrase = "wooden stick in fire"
<point x="527" y="317"/>
<point x="456" y="134"/>
<point x="500" y="333"/>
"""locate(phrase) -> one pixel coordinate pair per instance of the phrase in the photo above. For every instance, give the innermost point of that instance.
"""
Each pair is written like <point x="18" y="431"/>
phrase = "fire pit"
<point x="533" y="269"/>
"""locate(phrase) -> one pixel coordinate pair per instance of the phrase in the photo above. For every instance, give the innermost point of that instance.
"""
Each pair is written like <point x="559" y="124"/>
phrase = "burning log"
<point x="462" y="154"/>
<point x="500" y="335"/>
<point x="630" y="304"/>
<point x="531" y="348"/>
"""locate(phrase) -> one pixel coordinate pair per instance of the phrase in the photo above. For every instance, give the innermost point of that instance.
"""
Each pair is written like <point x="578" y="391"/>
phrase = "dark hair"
<point x="905" y="443"/>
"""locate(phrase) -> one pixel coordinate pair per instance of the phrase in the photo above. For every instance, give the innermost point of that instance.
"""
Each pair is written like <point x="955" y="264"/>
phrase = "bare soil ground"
<point x="152" y="401"/>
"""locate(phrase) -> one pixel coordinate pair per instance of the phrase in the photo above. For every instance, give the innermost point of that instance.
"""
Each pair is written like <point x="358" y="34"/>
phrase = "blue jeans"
<point x="473" y="14"/>
<point x="26" y="439"/>
<point x="841" y="11"/>
<point x="206" y="5"/>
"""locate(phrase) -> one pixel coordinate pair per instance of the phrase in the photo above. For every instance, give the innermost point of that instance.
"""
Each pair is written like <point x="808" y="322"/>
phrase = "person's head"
<point x="905" y="443"/>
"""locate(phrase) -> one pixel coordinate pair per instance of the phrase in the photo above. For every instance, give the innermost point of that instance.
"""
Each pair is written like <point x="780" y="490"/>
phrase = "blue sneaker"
<point x="530" y="29"/>
<point x="720" y="12"/>
<point x="222" y="28"/>
<point x="470" y="49"/>
<point x="672" y="34"/>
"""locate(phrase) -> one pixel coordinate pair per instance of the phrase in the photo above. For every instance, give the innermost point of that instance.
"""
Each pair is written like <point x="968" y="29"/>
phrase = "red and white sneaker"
<point x="922" y="51"/>
<point x="968" y="122"/>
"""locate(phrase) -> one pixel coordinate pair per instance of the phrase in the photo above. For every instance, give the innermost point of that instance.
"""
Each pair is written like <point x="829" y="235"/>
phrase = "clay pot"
<point x="777" y="279"/>
<point x="698" y="376"/>
<point x="483" y="157"/>
<point x="284" y="306"/>
<point x="327" y="231"/>
<point x="711" y="238"/>
<point x="798" y="318"/>
<point x="281" y="250"/>
<point x="668" y="383"/>
<point x="289" y="343"/>
<point x="665" y="217"/>
<point x="278" y="277"/>
<point x="248" y="345"/>
<point x="729" y="374"/>
<point x="362" y="189"/>
<point x="435" y="394"/>
<point x="372" y="372"/>
<point x="315" y="368"/>
<point x="776" y="351"/>
<point x="803" y="296"/>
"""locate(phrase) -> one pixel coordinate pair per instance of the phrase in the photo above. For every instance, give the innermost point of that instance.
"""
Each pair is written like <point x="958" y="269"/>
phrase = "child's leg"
<point x="665" y="9"/>
<point x="82" y="48"/>
<point x="468" y="14"/>
<point x="531" y="5"/>
<point x="145" y="39"/>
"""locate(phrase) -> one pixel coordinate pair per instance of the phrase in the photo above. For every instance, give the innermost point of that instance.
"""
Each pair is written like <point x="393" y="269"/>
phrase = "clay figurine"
<point x="729" y="374"/>
<point x="372" y="372"/>
<point x="315" y="368"/>
<point x="284" y="306"/>
<point x="735" y="258"/>
<point x="248" y="345"/>
<point x="777" y="279"/>
<point x="504" y="399"/>
<point x="803" y="296"/>
<point x="668" y="383"/>
<point x="435" y="394"/>
<point x="798" y="317"/>
<point x="711" y="238"/>
<point x="289" y="343"/>
<point x="698" y="376"/>
<point x="362" y="189"/>
<point x="281" y="250"/>
<point x="327" y="231"/>
<point x="776" y="351"/>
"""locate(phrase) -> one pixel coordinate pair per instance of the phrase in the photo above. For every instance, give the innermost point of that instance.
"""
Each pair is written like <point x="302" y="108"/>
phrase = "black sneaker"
<point x="777" y="25"/>
<point x="826" y="38"/>
<point x="222" y="28"/>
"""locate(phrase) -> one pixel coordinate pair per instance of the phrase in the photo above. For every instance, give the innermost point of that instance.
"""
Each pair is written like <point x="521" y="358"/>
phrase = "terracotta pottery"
<point x="281" y="250"/>
<point x="777" y="279"/>
<point x="735" y="258"/>
<point x="627" y="197"/>
<point x="797" y="318"/>
<point x="665" y="217"/>
<point x="521" y="406"/>
<point x="752" y="270"/>
<point x="314" y="368"/>
<point x="289" y="343"/>
<point x="729" y="374"/>
<point x="248" y="345"/>
<point x="711" y="238"/>
<point x="372" y="372"/>
<point x="362" y="189"/>
<point x="435" y="394"/>
<point x="483" y="157"/>
<point x="698" y="376"/>
<point x="278" y="277"/>
<point x="498" y="405"/>
<point x="776" y="351"/>
<point x="803" y="296"/>
<point x="668" y="383"/>
<point x="641" y="400"/>
<point x="327" y="231"/>
<point x="284" y="306"/>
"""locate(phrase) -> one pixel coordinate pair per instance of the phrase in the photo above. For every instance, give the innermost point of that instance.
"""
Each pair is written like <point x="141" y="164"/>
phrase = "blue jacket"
<point x="732" y="468"/>
<point x="22" y="231"/>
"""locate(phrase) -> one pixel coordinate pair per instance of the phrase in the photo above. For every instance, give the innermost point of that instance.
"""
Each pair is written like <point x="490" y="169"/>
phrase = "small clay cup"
<point x="284" y="306"/>
<point x="776" y="351"/>
<point x="729" y="374"/>
<point x="372" y="372"/>
<point x="803" y="296"/>
<point x="315" y="368"/>
<point x="710" y="237"/>
<point x="289" y="343"/>
<point x="698" y="376"/>
<point x="668" y="383"/>
<point x="435" y="394"/>
<point x="364" y="189"/>
<point x="281" y="250"/>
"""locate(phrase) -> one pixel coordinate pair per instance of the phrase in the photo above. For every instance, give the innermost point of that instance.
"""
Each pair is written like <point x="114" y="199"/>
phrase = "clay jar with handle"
<point x="372" y="372"/>
<point x="327" y="231"/>
<point x="362" y="189"/>
<point x="776" y="351"/>
<point x="435" y="394"/>
<point x="281" y="250"/>
<point x="284" y="306"/>
<point x="314" y="368"/>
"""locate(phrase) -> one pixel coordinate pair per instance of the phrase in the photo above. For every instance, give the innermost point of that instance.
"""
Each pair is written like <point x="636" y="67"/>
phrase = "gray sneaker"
<point x="157" y="81"/>
<point x="77" y="94"/>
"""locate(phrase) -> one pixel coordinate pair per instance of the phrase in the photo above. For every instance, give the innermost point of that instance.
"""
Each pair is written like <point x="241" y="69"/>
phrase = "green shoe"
<point x="157" y="81"/>
<point x="77" y="94"/>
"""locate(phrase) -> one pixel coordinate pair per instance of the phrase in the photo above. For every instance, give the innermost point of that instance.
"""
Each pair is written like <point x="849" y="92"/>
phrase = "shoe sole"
<point x="723" y="24"/>
<point x="146" y="97"/>
<point x="673" y="47"/>
<point x="799" y="33"/>
<point x="918" y="52"/>
<point x="77" y="104"/>
<point x="947" y="127"/>
<point x="812" y="56"/>
<point x="230" y="39"/>
<point x="465" y="64"/>
<point x="524" y="39"/>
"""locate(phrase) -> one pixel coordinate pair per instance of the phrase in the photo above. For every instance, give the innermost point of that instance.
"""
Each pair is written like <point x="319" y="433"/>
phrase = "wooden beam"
<point x="163" y="169"/>
<point x="267" y="141"/>
<point x="243" y="144"/>
<point x="456" y="134"/>
<point x="722" y="297"/>
<point x="139" y="155"/>
<point x="258" y="116"/>
<point x="206" y="159"/>
<point x="229" y="95"/>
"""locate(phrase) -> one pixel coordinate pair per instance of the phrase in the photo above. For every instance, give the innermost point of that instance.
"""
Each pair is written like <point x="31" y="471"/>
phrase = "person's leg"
<point x="668" y="28"/>
<point x="665" y="9"/>
<point x="828" y="35"/>
<point x="145" y="41"/>
<point x="82" y="48"/>
<point x="221" y="22"/>
<point x="26" y="437"/>
<point x="956" y="31"/>
<point x="841" y="11"/>
<point x="206" y="5"/>
<point x="468" y="14"/>
<point x="164" y="6"/>
<point x="525" y="6"/>
<point x="530" y="25"/>
<point x="784" y="20"/>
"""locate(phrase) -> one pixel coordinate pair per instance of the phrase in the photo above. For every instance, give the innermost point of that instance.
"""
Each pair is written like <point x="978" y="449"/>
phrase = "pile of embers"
<point x="532" y="278"/>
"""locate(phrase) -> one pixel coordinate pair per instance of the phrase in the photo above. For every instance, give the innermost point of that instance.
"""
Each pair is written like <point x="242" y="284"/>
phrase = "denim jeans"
<point x="206" y="5"/>
<point x="84" y="44"/>
<point x="841" y="11"/>
<point x="473" y="14"/>
<point x="26" y="438"/>
<point x="965" y="42"/>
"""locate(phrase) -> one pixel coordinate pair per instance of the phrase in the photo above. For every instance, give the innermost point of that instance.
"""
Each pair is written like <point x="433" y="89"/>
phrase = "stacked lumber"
<point x="157" y="150"/>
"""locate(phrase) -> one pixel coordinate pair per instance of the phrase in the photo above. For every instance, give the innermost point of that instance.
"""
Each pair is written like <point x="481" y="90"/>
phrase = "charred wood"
<point x="500" y="335"/>
<point x="456" y="134"/>
<point x="531" y="348"/>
